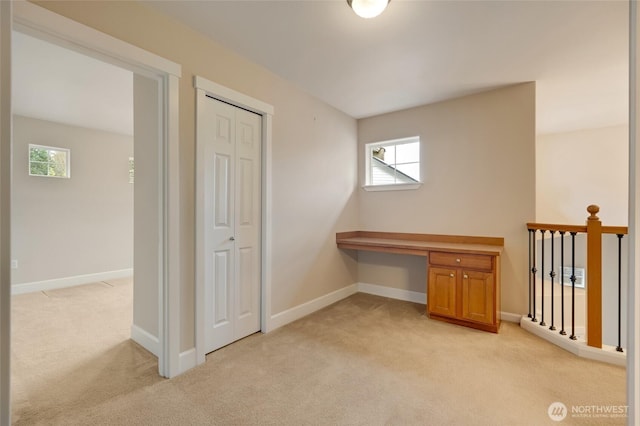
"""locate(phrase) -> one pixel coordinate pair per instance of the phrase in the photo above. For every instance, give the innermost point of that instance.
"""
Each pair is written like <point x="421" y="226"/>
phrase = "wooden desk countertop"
<point x="418" y="244"/>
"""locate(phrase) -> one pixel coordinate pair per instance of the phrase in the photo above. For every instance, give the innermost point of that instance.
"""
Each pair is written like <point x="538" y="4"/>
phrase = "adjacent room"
<point x="73" y="230"/>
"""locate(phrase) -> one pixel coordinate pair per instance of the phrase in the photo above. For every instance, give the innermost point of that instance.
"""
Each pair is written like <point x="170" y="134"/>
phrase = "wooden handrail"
<point x="618" y="230"/>
<point x="594" y="231"/>
<point x="555" y="227"/>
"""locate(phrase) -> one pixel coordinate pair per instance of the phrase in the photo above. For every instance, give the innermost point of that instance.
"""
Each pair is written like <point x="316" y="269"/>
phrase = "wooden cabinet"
<point x="463" y="272"/>
<point x="442" y="286"/>
<point x="463" y="288"/>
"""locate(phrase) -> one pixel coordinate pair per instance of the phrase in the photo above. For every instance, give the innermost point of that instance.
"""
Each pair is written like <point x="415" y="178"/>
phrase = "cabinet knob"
<point x="466" y="276"/>
<point x="232" y="238"/>
<point x="451" y="275"/>
<point x="458" y="260"/>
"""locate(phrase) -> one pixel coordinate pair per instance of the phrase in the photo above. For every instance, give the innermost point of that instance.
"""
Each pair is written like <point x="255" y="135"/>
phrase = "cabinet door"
<point x="477" y="296"/>
<point x="441" y="296"/>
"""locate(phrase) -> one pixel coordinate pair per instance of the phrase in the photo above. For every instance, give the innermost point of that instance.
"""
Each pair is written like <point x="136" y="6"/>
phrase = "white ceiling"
<point x="52" y="83"/>
<point x="415" y="53"/>
<point x="420" y="52"/>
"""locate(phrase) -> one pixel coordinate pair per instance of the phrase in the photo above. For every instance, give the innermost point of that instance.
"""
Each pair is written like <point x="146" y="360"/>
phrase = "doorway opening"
<point x="164" y="76"/>
<point x="76" y="304"/>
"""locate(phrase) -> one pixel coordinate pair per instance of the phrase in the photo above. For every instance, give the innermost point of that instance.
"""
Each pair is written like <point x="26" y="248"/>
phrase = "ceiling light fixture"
<point x="368" y="8"/>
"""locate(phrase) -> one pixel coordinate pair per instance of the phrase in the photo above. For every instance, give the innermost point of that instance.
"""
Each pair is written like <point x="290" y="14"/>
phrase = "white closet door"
<point x="248" y="220"/>
<point x="232" y="223"/>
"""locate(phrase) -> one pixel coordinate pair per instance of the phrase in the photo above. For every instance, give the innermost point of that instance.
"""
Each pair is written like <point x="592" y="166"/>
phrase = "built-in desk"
<point x="463" y="272"/>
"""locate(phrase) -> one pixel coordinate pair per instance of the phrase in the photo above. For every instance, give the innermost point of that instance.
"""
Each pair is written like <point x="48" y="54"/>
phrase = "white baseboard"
<point x="187" y="360"/>
<point x="70" y="281"/>
<point x="510" y="317"/>
<point x="578" y="347"/>
<point x="393" y="293"/>
<point x="145" y="339"/>
<point x="297" y="312"/>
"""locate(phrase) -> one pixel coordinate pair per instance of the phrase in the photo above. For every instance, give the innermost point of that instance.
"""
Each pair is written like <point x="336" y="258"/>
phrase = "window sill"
<point x="394" y="187"/>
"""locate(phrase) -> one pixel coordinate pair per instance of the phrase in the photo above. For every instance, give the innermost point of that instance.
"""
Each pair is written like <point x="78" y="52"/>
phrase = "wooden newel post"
<point x="594" y="278"/>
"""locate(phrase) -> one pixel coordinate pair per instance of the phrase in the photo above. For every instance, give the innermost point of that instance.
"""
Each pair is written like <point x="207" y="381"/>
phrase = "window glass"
<point x="49" y="161"/>
<point x="393" y="162"/>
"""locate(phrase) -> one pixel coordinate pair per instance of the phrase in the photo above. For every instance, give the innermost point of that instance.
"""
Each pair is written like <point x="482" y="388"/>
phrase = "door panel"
<point x="442" y="291"/>
<point x="248" y="224"/>
<point x="221" y="194"/>
<point x="245" y="282"/>
<point x="219" y="177"/>
<point x="232" y="170"/>
<point x="477" y="296"/>
<point x="221" y="286"/>
<point x="246" y="184"/>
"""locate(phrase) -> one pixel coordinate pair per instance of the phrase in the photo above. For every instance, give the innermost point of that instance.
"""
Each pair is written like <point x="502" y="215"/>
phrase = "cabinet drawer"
<point x="471" y="261"/>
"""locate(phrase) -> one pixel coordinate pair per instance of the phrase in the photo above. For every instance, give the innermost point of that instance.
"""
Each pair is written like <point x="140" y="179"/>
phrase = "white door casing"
<point x="206" y="89"/>
<point x="42" y="23"/>
<point x="231" y="147"/>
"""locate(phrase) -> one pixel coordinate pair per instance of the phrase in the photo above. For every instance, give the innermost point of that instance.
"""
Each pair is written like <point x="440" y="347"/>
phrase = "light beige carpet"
<point x="70" y="348"/>
<point x="365" y="360"/>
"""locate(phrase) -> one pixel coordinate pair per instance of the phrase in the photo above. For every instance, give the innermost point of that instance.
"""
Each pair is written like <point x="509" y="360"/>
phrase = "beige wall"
<point x="147" y="220"/>
<point x="68" y="227"/>
<point x="479" y="179"/>
<point x="573" y="170"/>
<point x="576" y="169"/>
<point x="314" y="156"/>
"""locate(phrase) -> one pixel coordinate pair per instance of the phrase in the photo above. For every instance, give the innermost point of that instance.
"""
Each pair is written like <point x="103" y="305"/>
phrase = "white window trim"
<point x="52" y="148"/>
<point x="392" y="187"/>
<point x="395" y="186"/>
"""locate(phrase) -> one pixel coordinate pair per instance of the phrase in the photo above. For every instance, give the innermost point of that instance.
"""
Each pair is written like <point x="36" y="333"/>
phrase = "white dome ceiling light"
<point x="368" y="8"/>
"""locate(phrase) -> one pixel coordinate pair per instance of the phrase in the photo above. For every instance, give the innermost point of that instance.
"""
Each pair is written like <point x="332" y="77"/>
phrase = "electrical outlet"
<point x="14" y="264"/>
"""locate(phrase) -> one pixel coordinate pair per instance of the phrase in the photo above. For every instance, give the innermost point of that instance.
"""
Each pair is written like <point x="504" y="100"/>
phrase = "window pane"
<point x="57" y="169"/>
<point x="408" y="153"/>
<point x="412" y="170"/>
<point x="390" y="154"/>
<point x="46" y="161"/>
<point x="38" y="154"/>
<point x="40" y="169"/>
<point x="58" y="165"/>
<point x="381" y="173"/>
<point x="393" y="162"/>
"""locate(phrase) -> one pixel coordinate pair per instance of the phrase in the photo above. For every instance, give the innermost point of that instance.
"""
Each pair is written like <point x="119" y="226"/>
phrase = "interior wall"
<point x="69" y="227"/>
<point x="579" y="168"/>
<point x="314" y="156"/>
<point x="146" y="219"/>
<point x="478" y="156"/>
<point x="5" y="215"/>
<point x="576" y="169"/>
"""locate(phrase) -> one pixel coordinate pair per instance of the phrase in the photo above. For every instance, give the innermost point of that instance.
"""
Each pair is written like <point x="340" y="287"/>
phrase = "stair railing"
<point x="593" y="285"/>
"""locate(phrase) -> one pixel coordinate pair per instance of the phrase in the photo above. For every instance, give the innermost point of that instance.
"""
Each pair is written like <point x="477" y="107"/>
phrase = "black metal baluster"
<point x="552" y="274"/>
<point x="533" y="271"/>
<point x="564" y="333"/>
<point x="619" y="347"/>
<point x="542" y="279"/>
<point x="573" y="287"/>
<point x="530" y="272"/>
